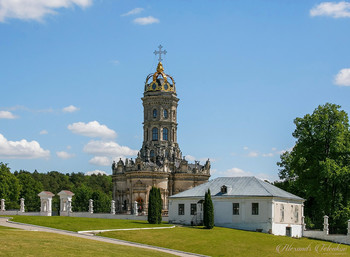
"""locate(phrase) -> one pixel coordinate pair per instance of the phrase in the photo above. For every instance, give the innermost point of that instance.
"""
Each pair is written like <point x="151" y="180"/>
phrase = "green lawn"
<point x="31" y="243"/>
<point x="80" y="224"/>
<point x="226" y="242"/>
<point x="6" y="228"/>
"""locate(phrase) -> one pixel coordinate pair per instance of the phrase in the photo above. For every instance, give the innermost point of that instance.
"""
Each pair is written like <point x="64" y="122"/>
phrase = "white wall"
<point x="341" y="239"/>
<point x="19" y="213"/>
<point x="174" y="216"/>
<point x="111" y="216"/>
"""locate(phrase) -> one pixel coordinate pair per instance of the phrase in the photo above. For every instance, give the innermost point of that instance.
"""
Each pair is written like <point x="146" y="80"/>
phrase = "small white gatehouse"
<point x="246" y="203"/>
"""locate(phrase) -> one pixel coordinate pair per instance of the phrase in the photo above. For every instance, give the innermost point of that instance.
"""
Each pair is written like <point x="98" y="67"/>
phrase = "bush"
<point x="208" y="211"/>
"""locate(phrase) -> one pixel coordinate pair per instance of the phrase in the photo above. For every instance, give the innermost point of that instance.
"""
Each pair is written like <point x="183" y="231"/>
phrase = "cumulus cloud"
<point x="108" y="148"/>
<point x="101" y="161"/>
<point x="245" y="148"/>
<point x="253" y="154"/>
<point x="190" y="158"/>
<point x="115" y="62"/>
<point x="343" y="78"/>
<point x="331" y="9"/>
<point x="36" y="9"/>
<point x="236" y="172"/>
<point x="96" y="172"/>
<point x="70" y="108"/>
<point x="64" y="155"/>
<point x="7" y="115"/>
<point x="92" y="129"/>
<point x="22" y="149"/>
<point x="133" y="11"/>
<point x="146" y="20"/>
<point x="43" y="132"/>
<point x="267" y="155"/>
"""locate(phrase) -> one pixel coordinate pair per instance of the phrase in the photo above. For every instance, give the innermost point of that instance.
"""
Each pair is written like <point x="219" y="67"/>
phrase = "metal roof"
<point x="237" y="186"/>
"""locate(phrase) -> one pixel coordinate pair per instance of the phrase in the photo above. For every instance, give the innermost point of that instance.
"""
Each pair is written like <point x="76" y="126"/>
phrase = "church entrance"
<point x="139" y="201"/>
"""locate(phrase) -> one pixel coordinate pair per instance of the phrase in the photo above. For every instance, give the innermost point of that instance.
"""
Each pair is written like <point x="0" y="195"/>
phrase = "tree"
<point x="81" y="198"/>
<point x="318" y="166"/>
<point x="102" y="202"/>
<point x="154" y="206"/>
<point x="208" y="211"/>
<point x="30" y="188"/>
<point x="9" y="187"/>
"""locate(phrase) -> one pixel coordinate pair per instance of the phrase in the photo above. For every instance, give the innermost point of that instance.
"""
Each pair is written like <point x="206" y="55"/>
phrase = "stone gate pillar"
<point x="2" y="205"/>
<point x="135" y="208"/>
<point x="91" y="206"/>
<point x="65" y="202"/>
<point x="325" y="225"/>
<point x="46" y="203"/>
<point x="112" y="207"/>
<point x="21" y="208"/>
<point x="348" y="227"/>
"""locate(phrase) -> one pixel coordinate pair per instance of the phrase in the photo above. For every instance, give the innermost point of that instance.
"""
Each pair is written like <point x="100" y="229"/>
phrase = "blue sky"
<point x="72" y="74"/>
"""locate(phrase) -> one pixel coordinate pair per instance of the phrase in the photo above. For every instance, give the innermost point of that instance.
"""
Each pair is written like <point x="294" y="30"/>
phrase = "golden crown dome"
<point x="160" y="81"/>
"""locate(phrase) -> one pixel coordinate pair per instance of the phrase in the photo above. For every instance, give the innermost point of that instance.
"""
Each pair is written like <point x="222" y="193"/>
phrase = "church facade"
<point x="159" y="162"/>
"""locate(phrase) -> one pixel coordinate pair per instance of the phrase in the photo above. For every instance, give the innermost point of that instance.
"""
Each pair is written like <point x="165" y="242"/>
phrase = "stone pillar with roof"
<point x="65" y="202"/>
<point x="46" y="203"/>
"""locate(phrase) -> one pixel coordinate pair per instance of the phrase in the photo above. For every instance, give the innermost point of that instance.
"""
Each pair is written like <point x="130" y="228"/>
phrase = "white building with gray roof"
<point x="246" y="203"/>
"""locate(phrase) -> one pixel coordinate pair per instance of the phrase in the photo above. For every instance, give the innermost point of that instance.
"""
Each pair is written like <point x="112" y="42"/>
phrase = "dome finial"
<point x="160" y="52"/>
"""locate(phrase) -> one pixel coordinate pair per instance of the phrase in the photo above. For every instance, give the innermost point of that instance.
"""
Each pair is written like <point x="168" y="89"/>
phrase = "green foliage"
<point x="81" y="197"/>
<point x="30" y="190"/>
<point x="9" y="187"/>
<point x="102" y="202"/>
<point x="154" y="206"/>
<point x="208" y="218"/>
<point x="318" y="167"/>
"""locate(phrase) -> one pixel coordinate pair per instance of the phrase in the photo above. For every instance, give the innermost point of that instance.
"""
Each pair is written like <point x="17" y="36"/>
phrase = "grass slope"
<point x="30" y="243"/>
<point x="79" y="224"/>
<point x="226" y="242"/>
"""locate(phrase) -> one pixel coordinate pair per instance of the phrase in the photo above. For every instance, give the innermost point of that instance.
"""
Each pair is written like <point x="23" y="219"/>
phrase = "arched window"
<point x="152" y="155"/>
<point x="155" y="134"/>
<point x="165" y="134"/>
<point x="155" y="113"/>
<point x="165" y="114"/>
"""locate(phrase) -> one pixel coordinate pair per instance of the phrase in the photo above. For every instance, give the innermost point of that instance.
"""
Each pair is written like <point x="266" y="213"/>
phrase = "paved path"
<point x="6" y="223"/>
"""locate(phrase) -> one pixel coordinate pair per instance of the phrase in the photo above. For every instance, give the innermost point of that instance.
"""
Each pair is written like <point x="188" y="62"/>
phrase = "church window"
<point x="155" y="113"/>
<point x="154" y="134"/>
<point x="165" y="114"/>
<point x="235" y="208"/>
<point x="281" y="213"/>
<point x="152" y="154"/>
<point x="255" y="208"/>
<point x="165" y="134"/>
<point x="181" y="209"/>
<point x="193" y="208"/>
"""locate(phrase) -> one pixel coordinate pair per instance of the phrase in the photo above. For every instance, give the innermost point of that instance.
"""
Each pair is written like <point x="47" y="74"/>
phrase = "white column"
<point x="91" y="206"/>
<point x="3" y="205"/>
<point x="135" y="208"/>
<point x="46" y="203"/>
<point x="21" y="209"/>
<point x="112" y="207"/>
<point x="325" y="225"/>
<point x="348" y="227"/>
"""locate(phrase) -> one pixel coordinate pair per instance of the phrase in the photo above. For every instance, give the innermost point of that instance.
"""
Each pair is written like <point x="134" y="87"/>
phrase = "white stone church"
<point x="246" y="203"/>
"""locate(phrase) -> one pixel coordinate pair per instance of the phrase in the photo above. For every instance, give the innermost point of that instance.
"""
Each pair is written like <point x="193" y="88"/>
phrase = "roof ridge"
<point x="261" y="183"/>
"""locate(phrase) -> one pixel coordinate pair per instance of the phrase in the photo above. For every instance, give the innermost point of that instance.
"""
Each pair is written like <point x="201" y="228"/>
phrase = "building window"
<point x="152" y="154"/>
<point x="235" y="208"/>
<point x="154" y="134"/>
<point x="224" y="189"/>
<point x="155" y="113"/>
<point x="296" y="214"/>
<point x="165" y="134"/>
<point x="281" y="213"/>
<point x="181" y="209"/>
<point x="165" y="113"/>
<point x="193" y="208"/>
<point x="255" y="208"/>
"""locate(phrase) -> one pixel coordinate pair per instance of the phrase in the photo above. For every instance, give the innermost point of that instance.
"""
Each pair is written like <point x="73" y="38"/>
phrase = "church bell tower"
<point x="160" y="118"/>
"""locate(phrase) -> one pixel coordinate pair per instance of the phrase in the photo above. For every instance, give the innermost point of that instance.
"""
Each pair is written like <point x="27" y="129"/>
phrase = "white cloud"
<point x="115" y="62"/>
<point x="22" y="149"/>
<point x="253" y="154"/>
<point x="190" y="158"/>
<point x="36" y="9"/>
<point x="245" y="148"/>
<point x="334" y="10"/>
<point x="92" y="129"/>
<point x="43" y="132"/>
<point x="343" y="78"/>
<point x="110" y="148"/>
<point x="267" y="155"/>
<point x="101" y="161"/>
<point x="236" y="172"/>
<point x="133" y="11"/>
<point x="273" y="148"/>
<point x="7" y="115"/>
<point x="96" y="172"/>
<point x="146" y="20"/>
<point x="64" y="155"/>
<point x="70" y="108"/>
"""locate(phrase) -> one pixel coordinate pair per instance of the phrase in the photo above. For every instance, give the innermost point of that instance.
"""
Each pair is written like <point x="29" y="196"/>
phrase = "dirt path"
<point x="6" y="223"/>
